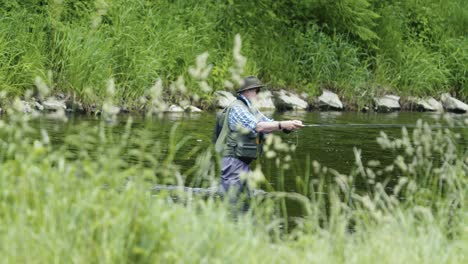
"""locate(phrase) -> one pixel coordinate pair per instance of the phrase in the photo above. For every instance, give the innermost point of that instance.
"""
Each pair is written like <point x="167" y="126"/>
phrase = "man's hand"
<point x="291" y="125"/>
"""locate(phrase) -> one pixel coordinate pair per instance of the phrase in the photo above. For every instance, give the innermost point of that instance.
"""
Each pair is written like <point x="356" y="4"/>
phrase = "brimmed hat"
<point x="250" y="82"/>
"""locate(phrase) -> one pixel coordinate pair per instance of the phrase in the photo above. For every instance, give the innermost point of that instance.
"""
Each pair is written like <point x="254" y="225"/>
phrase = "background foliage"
<point x="355" y="47"/>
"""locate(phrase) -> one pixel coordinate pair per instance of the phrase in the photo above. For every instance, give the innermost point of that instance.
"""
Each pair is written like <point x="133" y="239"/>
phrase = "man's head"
<point x="251" y="86"/>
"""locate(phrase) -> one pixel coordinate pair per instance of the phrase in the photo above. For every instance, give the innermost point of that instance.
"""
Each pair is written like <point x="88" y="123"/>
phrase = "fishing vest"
<point x="242" y="143"/>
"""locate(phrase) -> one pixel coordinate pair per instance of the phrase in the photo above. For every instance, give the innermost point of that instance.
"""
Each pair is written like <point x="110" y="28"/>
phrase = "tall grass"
<point x="354" y="47"/>
<point x="331" y="62"/>
<point x="24" y="48"/>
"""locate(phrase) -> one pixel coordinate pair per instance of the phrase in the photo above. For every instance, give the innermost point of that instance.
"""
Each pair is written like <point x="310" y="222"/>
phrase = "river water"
<point x="331" y="146"/>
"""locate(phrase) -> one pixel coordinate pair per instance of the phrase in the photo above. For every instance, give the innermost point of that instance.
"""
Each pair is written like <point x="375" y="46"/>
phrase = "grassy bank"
<point x="88" y="200"/>
<point x="358" y="48"/>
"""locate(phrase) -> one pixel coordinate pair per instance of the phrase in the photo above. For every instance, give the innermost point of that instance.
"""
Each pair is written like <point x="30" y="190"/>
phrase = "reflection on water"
<point x="330" y="116"/>
<point x="393" y="115"/>
<point x="174" y="116"/>
<point x="294" y="115"/>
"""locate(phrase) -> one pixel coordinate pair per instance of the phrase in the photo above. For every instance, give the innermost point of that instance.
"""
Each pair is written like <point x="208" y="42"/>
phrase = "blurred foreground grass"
<point x="89" y="201"/>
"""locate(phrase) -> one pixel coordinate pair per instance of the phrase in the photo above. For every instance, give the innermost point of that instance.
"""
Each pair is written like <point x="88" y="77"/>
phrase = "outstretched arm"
<point x="266" y="127"/>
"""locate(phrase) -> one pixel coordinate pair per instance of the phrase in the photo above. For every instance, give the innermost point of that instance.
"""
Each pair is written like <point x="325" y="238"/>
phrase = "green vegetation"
<point x="88" y="200"/>
<point x="358" y="48"/>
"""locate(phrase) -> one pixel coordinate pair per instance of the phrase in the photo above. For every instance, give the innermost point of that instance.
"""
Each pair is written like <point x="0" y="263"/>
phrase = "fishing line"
<point x="296" y="132"/>
<point x="296" y="135"/>
<point x="297" y="138"/>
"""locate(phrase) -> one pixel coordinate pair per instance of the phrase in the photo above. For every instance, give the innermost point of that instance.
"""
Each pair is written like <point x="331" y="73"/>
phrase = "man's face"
<point x="252" y="93"/>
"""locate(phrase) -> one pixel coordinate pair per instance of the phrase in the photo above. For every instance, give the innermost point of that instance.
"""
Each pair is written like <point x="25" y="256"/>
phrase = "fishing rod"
<point x="375" y="125"/>
<point x="358" y="125"/>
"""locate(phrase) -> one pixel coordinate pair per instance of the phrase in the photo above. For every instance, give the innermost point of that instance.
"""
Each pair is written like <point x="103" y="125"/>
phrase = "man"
<point x="241" y="132"/>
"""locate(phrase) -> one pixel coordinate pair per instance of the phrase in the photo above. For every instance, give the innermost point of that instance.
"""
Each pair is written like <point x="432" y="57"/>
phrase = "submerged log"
<point x="211" y="191"/>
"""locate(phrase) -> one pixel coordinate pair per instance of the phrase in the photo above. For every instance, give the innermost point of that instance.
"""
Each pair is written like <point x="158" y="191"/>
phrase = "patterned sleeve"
<point x="240" y="116"/>
<point x="262" y="118"/>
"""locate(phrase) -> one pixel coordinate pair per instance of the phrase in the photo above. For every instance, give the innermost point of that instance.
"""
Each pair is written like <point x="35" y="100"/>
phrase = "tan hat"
<point x="250" y="82"/>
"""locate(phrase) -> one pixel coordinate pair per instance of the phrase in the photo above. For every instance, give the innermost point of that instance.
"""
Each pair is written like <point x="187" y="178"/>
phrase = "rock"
<point x="124" y="109"/>
<point x="329" y="100"/>
<point x="421" y="103"/>
<point x="61" y="96"/>
<point x="452" y="104"/>
<point x="38" y="106"/>
<point x="387" y="103"/>
<point x="426" y="104"/>
<point x="23" y="106"/>
<point x="77" y="107"/>
<point x="52" y="104"/>
<point x="224" y="99"/>
<point x="175" y="109"/>
<point x="110" y="110"/>
<point x="435" y="104"/>
<point x="289" y="101"/>
<point x="265" y="100"/>
<point x="94" y="109"/>
<point x="192" y="109"/>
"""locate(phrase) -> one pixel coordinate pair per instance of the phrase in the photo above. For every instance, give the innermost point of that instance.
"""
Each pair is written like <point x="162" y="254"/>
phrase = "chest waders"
<point x="242" y="144"/>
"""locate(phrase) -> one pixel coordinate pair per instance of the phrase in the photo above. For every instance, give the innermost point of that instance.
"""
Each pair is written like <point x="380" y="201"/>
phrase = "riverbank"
<point x="357" y="49"/>
<point x="279" y="100"/>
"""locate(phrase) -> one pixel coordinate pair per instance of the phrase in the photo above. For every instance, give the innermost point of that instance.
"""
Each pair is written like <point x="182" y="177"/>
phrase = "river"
<point x="331" y="146"/>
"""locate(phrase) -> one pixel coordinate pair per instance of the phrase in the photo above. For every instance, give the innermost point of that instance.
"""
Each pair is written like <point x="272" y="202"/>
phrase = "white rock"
<point x="78" y="106"/>
<point x="264" y="100"/>
<point x="387" y="102"/>
<point x="109" y="109"/>
<point x="175" y="109"/>
<point x="38" y="106"/>
<point x="224" y="99"/>
<point x="23" y="106"/>
<point x="53" y="104"/>
<point x="435" y="104"/>
<point x="330" y="99"/>
<point x="287" y="101"/>
<point x="192" y="109"/>
<point x="453" y="104"/>
<point x="423" y="104"/>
